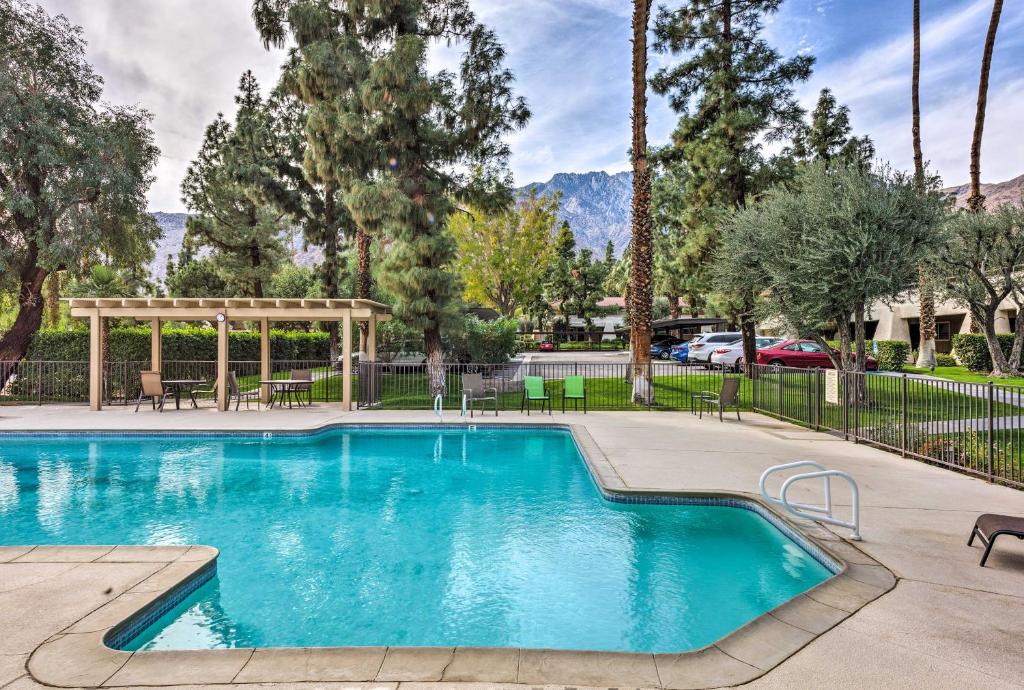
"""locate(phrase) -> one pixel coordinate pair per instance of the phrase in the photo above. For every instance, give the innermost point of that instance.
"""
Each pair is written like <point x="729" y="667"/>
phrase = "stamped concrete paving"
<point x="947" y="624"/>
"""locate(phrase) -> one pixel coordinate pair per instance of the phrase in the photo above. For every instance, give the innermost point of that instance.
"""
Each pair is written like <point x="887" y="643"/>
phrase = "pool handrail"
<point x="813" y="512"/>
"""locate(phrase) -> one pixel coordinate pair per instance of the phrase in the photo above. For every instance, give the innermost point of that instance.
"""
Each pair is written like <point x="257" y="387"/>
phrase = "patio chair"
<point x="307" y="388"/>
<point x="989" y="526"/>
<point x="474" y="390"/>
<point x="153" y="388"/>
<point x="235" y="393"/>
<point x="533" y="389"/>
<point x="729" y="396"/>
<point x="575" y="389"/>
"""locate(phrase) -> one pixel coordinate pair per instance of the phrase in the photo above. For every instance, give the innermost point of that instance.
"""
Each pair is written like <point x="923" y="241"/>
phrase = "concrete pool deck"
<point x="946" y="624"/>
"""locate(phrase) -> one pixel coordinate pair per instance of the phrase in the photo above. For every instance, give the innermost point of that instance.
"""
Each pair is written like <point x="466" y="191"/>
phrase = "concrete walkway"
<point x="947" y="623"/>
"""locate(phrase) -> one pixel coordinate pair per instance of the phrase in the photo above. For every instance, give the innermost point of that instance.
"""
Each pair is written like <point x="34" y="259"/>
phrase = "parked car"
<point x="662" y="348"/>
<point x="802" y="353"/>
<point x="732" y="353"/>
<point x="547" y="346"/>
<point x="702" y="346"/>
<point x="680" y="352"/>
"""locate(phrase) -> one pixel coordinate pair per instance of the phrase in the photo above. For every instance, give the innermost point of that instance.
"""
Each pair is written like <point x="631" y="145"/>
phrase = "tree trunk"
<point x="1000" y="367"/>
<point x="642" y="269"/>
<point x="329" y="267"/>
<point x="15" y="342"/>
<point x="53" y="300"/>
<point x="435" y="360"/>
<point x="861" y="354"/>
<point x="926" y="294"/>
<point x="1018" y="338"/>
<point x="364" y="282"/>
<point x="747" y="328"/>
<point x="975" y="199"/>
<point x="673" y="306"/>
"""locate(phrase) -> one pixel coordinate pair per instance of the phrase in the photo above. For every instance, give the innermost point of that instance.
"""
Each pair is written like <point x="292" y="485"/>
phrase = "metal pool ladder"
<point x="814" y="512"/>
<point x="439" y="406"/>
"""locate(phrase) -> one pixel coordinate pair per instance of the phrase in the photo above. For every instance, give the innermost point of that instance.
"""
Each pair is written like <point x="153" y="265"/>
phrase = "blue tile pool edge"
<point x="123" y="633"/>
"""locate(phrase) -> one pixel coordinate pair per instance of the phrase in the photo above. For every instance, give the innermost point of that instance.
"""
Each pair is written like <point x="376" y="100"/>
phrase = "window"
<point x="792" y="347"/>
<point x="942" y="331"/>
<point x="810" y="347"/>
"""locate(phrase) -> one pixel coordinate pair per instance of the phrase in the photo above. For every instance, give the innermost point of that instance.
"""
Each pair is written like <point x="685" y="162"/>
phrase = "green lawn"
<point x="965" y="376"/>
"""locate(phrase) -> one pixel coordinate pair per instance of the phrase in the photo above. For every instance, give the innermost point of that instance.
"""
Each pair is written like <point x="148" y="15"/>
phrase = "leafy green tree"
<point x="225" y="188"/>
<point x="587" y="286"/>
<point x="609" y="255"/>
<point x="418" y="131"/>
<point x="503" y="258"/>
<point x="978" y="266"/>
<point x="295" y="282"/>
<point x="73" y="170"/>
<point x="197" y="277"/>
<point x="819" y="253"/>
<point x="827" y="137"/>
<point x="731" y="90"/>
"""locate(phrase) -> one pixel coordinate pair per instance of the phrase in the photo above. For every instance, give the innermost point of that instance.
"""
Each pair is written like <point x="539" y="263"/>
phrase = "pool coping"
<point x="79" y="656"/>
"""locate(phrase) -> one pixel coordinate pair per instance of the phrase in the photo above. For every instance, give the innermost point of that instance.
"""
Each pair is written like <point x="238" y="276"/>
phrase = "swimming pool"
<point x="415" y="536"/>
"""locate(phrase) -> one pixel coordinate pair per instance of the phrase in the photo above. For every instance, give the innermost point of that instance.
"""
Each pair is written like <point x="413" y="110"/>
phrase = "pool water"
<point x="404" y="537"/>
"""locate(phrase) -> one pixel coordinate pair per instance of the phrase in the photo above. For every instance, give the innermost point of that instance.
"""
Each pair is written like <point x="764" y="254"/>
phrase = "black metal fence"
<point x="609" y="386"/>
<point x="976" y="428"/>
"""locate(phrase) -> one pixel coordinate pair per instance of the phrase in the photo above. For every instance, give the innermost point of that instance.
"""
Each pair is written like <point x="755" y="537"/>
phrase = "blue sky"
<point x="181" y="59"/>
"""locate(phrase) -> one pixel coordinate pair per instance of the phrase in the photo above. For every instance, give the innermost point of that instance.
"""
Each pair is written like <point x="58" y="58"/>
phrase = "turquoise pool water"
<point x="414" y="536"/>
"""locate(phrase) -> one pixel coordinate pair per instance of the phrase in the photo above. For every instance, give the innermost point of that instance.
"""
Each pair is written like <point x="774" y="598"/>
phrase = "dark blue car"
<point x="680" y="352"/>
<point x="662" y="348"/>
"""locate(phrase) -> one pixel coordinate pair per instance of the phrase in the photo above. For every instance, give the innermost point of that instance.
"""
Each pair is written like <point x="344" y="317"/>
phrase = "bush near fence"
<point x="971" y="349"/>
<point x="133" y="343"/>
<point x="944" y="360"/>
<point x="891" y="355"/>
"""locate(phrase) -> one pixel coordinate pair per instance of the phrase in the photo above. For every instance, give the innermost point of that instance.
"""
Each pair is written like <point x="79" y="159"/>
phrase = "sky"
<point x="181" y="60"/>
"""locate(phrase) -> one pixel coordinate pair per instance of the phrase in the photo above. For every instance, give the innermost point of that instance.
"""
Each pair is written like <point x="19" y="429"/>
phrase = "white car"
<point x="702" y="346"/>
<point x="731" y="354"/>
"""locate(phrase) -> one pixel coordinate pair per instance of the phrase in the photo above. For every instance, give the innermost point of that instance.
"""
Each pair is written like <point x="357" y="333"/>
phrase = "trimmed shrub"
<point x="482" y="342"/>
<point x="971" y="349"/>
<point x="944" y="360"/>
<point x="891" y="355"/>
<point x="131" y="344"/>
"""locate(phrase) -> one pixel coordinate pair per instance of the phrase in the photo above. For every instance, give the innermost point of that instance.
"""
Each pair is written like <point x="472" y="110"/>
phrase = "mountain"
<point x="173" y="225"/>
<point x="996" y="194"/>
<point x="596" y="204"/>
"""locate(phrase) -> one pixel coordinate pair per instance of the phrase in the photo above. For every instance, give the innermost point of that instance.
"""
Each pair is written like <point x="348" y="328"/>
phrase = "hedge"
<point x="891" y="354"/>
<point x="131" y="344"/>
<point x="971" y="349"/>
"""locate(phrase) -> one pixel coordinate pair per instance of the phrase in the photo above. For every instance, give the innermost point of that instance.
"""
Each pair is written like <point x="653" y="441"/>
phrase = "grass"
<point x="964" y="375"/>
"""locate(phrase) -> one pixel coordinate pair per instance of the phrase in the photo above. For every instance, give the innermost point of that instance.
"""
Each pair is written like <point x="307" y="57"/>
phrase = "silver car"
<point x="703" y="346"/>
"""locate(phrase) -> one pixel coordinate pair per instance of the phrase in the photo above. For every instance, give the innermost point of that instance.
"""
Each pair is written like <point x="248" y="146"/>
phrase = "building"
<point x="901" y="321"/>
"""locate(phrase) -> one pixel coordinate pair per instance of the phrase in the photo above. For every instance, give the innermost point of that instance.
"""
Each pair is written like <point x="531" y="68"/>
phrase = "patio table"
<point x="187" y="385"/>
<point x="284" y="388"/>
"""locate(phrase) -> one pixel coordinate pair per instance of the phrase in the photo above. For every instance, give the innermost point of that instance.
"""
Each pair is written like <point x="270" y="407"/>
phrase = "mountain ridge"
<point x="596" y="204"/>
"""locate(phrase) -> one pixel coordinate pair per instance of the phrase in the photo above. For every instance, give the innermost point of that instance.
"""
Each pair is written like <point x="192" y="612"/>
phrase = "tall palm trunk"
<point x="363" y="281"/>
<point x="642" y="270"/>
<point x="975" y="199"/>
<point x="925" y="291"/>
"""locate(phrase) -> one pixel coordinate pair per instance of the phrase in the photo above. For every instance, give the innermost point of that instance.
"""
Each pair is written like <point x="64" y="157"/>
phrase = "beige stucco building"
<point x="901" y="320"/>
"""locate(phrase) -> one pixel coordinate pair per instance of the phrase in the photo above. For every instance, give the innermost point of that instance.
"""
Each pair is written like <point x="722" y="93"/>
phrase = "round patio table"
<point x="187" y="385"/>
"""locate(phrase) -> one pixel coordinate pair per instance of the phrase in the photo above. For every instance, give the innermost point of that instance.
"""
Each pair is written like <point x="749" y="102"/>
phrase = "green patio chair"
<point x="533" y="389"/>
<point x="575" y="389"/>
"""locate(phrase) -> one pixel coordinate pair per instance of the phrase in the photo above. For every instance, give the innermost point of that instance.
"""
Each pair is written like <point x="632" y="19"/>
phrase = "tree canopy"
<point x="73" y="170"/>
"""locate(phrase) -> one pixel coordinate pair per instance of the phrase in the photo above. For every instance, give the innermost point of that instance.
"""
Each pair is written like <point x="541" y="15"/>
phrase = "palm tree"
<point x="926" y="294"/>
<point x="642" y="270"/>
<point x="975" y="199"/>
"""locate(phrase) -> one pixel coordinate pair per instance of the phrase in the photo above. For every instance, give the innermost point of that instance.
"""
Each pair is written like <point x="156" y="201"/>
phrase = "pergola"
<point x="222" y="312"/>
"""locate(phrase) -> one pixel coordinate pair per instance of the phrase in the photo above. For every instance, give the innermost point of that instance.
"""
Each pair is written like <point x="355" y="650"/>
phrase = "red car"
<point x="547" y="346"/>
<point x="806" y="354"/>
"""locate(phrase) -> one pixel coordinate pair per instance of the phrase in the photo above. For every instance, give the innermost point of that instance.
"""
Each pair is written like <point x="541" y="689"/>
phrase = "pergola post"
<point x="264" y="359"/>
<point x="222" y="364"/>
<point x="156" y="358"/>
<point x="346" y="361"/>
<point x="95" y="361"/>
<point x="371" y="340"/>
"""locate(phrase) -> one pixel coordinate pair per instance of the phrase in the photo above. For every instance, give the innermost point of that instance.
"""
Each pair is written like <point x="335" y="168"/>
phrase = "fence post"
<point x="39" y="382"/>
<point x="991" y="430"/>
<point x="845" y="397"/>
<point x="904" y="431"/>
<point x="650" y="384"/>
<point x="779" y="408"/>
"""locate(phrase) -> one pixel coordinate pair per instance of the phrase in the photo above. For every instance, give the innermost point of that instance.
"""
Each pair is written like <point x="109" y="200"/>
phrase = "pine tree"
<point x="732" y="89"/>
<point x="609" y="255"/>
<point x="228" y="188"/>
<point x="416" y="131"/>
<point x="827" y="137"/>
